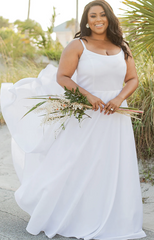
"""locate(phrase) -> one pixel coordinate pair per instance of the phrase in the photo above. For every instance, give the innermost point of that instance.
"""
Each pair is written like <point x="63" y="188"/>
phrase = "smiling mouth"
<point x="99" y="25"/>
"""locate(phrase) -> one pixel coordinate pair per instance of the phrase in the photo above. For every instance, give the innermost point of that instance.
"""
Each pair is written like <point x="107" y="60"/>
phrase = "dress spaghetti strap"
<point x="83" y="43"/>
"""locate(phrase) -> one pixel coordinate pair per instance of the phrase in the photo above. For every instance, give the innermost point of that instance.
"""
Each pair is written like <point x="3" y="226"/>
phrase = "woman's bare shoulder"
<point x="74" y="46"/>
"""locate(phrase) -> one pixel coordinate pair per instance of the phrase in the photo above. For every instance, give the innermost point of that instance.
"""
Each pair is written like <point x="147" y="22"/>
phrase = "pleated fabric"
<point x="85" y="182"/>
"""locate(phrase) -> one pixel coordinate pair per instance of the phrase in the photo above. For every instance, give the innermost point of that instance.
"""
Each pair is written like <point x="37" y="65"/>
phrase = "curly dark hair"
<point x="114" y="31"/>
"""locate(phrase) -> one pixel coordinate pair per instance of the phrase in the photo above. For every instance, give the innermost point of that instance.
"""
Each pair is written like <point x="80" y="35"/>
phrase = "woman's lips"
<point x="99" y="25"/>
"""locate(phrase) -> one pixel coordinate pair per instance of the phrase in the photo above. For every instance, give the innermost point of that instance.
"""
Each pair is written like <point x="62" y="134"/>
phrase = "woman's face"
<point x="97" y="20"/>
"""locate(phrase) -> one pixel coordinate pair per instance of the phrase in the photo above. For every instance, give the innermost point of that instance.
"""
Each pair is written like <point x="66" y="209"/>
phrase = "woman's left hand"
<point x="113" y="105"/>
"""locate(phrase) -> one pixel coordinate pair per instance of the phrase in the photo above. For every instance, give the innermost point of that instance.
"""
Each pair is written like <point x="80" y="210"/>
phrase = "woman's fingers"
<point x="111" y="111"/>
<point x="93" y="108"/>
<point x="103" y="103"/>
<point x="109" y="108"/>
<point x="101" y="107"/>
<point x="112" y="105"/>
<point x="98" y="104"/>
<point x="96" y="107"/>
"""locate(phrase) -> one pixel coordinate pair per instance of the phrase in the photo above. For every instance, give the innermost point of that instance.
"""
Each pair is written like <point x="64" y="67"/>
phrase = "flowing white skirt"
<point x="84" y="183"/>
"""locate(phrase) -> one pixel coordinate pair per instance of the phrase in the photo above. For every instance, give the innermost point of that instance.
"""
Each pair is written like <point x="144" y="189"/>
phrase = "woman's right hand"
<point x="96" y="102"/>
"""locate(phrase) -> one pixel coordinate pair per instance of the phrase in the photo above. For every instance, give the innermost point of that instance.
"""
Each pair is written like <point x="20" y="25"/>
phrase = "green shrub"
<point x="53" y="53"/>
<point x="6" y="33"/>
<point x="14" y="45"/>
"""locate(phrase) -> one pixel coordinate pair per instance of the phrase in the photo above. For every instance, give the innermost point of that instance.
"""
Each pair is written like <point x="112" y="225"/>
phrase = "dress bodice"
<point x="96" y="72"/>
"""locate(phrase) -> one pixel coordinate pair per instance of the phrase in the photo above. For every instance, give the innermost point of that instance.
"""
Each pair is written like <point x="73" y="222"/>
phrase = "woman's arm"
<point x="131" y="83"/>
<point x="67" y="66"/>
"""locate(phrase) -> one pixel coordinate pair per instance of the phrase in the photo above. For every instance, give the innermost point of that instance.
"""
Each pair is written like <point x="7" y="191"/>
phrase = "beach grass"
<point x="19" y="69"/>
<point x="143" y="99"/>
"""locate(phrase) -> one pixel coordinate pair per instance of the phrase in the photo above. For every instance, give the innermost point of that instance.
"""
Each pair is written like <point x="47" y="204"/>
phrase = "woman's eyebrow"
<point x="100" y="12"/>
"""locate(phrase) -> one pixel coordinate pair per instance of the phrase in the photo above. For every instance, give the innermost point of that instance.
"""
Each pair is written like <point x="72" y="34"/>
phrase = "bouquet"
<point x="61" y="107"/>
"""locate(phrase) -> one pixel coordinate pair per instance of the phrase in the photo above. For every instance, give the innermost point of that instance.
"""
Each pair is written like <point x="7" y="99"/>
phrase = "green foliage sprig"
<point x="76" y="96"/>
<point x="61" y="108"/>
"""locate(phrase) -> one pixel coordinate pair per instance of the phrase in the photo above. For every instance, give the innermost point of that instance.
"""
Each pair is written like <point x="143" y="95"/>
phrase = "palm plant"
<point x="138" y="25"/>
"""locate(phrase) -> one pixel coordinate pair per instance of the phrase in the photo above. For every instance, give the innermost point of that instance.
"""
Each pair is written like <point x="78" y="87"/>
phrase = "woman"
<point x="85" y="184"/>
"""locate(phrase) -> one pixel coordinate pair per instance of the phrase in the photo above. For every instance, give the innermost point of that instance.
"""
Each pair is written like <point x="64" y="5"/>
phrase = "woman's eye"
<point x="93" y="16"/>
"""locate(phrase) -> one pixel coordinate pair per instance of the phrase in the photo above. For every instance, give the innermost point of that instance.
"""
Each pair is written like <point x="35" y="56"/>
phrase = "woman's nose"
<point x="98" y="18"/>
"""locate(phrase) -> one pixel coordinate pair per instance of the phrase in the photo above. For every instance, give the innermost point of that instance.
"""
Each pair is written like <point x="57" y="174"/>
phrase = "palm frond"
<point x="138" y="25"/>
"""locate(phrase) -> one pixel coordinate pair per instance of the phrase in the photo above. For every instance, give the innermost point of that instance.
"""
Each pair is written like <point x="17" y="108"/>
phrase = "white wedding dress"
<point x="85" y="182"/>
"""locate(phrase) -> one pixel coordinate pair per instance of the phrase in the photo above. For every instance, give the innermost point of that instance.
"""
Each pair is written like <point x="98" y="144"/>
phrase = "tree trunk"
<point x="76" y="22"/>
<point x="28" y="9"/>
